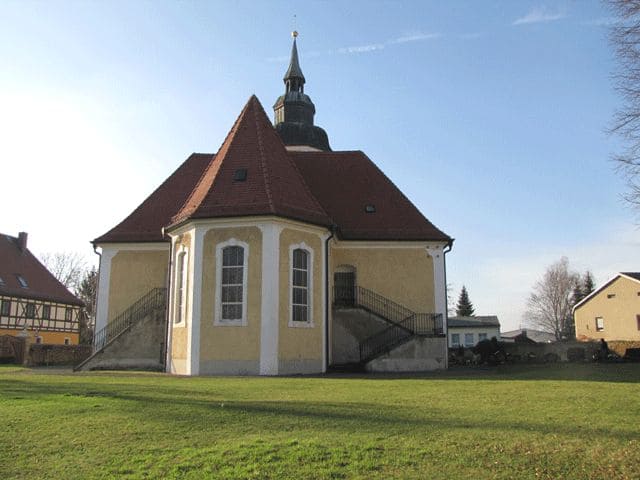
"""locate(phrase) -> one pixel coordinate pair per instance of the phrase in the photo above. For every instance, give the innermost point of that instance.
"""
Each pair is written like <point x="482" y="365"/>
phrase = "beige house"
<point x="612" y="311"/>
<point x="275" y="255"/>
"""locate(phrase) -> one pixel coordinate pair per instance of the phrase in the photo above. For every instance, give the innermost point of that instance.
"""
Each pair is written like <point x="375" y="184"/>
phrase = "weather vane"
<point x="294" y="34"/>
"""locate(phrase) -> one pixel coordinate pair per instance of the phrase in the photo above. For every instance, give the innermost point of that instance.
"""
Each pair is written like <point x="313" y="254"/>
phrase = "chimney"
<point x="22" y="241"/>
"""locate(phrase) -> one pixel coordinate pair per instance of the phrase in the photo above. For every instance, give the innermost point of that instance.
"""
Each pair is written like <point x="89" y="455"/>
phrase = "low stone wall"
<point x="45" y="354"/>
<point x="419" y="354"/>
<point x="620" y="346"/>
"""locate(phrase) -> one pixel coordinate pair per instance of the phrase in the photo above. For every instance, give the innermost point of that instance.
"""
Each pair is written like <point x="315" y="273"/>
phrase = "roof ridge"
<point x="263" y="163"/>
<point x="189" y="206"/>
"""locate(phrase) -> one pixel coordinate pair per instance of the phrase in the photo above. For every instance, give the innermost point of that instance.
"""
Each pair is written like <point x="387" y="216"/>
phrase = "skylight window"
<point x="370" y="208"/>
<point x="240" y="175"/>
<point x="23" y="283"/>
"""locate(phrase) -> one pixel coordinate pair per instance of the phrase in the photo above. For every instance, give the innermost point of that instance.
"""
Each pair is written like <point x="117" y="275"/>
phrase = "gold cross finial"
<point x="294" y="34"/>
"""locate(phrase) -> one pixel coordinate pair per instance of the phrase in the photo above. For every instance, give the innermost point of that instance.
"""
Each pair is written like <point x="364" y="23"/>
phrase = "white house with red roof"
<point x="275" y="255"/>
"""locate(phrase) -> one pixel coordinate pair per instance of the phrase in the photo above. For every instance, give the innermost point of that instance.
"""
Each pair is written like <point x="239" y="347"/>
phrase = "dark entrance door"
<point x="345" y="288"/>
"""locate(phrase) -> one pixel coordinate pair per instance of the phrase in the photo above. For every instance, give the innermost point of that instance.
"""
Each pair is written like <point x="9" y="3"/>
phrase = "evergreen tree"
<point x="588" y="284"/>
<point x="464" y="307"/>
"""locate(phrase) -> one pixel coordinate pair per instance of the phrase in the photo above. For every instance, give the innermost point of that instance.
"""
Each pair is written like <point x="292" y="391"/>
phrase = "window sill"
<point x="230" y="323"/>
<point x="301" y="324"/>
<point x="181" y="324"/>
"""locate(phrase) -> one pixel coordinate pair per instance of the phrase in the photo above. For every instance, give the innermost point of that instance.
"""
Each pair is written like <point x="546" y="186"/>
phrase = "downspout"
<point x="95" y="300"/>
<point x="445" y="320"/>
<point x="165" y="352"/>
<point x="332" y="229"/>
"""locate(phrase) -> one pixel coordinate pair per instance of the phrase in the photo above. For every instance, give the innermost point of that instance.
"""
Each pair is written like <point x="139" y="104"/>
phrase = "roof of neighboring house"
<point x="17" y="263"/>
<point x="634" y="276"/>
<point x="536" y="335"/>
<point x="320" y="188"/>
<point x="473" y="322"/>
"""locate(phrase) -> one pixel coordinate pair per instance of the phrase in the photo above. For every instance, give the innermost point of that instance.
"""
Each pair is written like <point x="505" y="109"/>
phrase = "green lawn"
<point x="557" y="422"/>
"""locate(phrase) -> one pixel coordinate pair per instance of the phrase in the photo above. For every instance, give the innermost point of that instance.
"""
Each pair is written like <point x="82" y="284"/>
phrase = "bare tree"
<point x="625" y="38"/>
<point x="549" y="305"/>
<point x="68" y="267"/>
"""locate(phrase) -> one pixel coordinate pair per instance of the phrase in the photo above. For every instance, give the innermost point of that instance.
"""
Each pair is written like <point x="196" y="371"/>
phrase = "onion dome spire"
<point x="294" y="111"/>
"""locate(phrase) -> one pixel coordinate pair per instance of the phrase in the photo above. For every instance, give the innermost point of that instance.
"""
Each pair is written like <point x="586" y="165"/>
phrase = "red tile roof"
<point x="273" y="185"/>
<point x="41" y="284"/>
<point x="346" y="182"/>
<point x="321" y="188"/>
<point x="145" y="222"/>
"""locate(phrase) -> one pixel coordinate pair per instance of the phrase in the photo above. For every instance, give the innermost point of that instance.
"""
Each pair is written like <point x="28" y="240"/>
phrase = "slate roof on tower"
<point x="320" y="188"/>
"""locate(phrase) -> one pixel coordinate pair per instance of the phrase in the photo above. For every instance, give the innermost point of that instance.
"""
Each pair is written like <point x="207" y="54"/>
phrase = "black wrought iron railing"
<point x="421" y="324"/>
<point x="404" y="323"/>
<point x="360" y="297"/>
<point x="153" y="300"/>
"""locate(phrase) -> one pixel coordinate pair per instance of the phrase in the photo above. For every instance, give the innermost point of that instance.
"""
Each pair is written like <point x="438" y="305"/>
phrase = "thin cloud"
<point x="415" y="37"/>
<point x="372" y="47"/>
<point x="539" y="15"/>
<point x="470" y="36"/>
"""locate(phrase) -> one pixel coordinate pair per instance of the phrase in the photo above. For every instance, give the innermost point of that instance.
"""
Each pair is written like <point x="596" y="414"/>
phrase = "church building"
<point x="274" y="256"/>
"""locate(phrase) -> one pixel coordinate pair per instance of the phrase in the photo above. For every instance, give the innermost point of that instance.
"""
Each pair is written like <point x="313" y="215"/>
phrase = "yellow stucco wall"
<point x="404" y="275"/>
<point x="231" y="342"/>
<point x="179" y="332"/>
<point x="133" y="274"/>
<point x="619" y="312"/>
<point x="300" y="343"/>
<point x="47" y="337"/>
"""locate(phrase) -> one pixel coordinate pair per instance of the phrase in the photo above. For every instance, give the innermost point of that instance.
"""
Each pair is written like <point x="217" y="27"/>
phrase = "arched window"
<point x="231" y="284"/>
<point x="301" y="258"/>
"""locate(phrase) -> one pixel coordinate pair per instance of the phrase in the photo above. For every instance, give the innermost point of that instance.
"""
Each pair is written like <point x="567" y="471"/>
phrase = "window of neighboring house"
<point x="231" y="289"/>
<point x="611" y="295"/>
<point x="455" y="339"/>
<point x="468" y="340"/>
<point x="46" y="312"/>
<point x="68" y="314"/>
<point x="38" y="339"/>
<point x="599" y="324"/>
<point x="181" y="286"/>
<point x="300" y="280"/>
<point x="638" y="321"/>
<point x="482" y="336"/>
<point x="67" y="341"/>
<point x="30" y="310"/>
<point x="23" y="283"/>
<point x="5" y="310"/>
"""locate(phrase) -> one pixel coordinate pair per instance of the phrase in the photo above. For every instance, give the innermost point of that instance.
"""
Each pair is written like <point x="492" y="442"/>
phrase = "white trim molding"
<point x="439" y="285"/>
<point x="309" y="323"/>
<point x="217" y="319"/>
<point x="269" y="324"/>
<point x="195" y="276"/>
<point x="104" y="279"/>
<point x="182" y="250"/>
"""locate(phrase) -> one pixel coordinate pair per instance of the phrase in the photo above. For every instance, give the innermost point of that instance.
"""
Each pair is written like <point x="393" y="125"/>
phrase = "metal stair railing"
<point x="153" y="300"/>
<point x="404" y="323"/>
<point x="360" y="297"/>
<point x="418" y="324"/>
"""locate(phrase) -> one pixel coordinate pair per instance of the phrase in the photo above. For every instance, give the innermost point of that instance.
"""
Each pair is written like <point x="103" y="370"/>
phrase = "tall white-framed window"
<point x="300" y="285"/>
<point x="180" y="301"/>
<point x="231" y="283"/>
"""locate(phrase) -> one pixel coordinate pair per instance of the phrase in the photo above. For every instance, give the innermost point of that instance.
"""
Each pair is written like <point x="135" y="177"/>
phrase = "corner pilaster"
<point x="269" y="323"/>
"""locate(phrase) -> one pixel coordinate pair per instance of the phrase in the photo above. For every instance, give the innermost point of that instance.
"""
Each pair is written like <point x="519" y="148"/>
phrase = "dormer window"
<point x="240" y="175"/>
<point x="1" y="282"/>
<point x="23" y="283"/>
<point x="370" y="208"/>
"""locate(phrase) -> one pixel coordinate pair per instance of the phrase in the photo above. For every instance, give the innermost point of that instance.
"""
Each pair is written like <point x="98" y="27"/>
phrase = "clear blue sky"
<point x="490" y="116"/>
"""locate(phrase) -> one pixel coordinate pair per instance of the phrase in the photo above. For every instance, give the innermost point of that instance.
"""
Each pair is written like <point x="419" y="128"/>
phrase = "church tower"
<point x="294" y="111"/>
